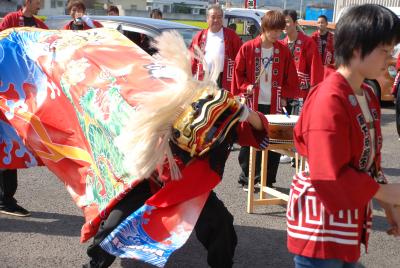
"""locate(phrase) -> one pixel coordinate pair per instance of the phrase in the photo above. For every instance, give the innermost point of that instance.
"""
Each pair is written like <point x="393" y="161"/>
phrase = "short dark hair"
<point x="290" y="12"/>
<point x="76" y="3"/>
<point x="214" y="7"/>
<point x="323" y="17"/>
<point x="113" y="9"/>
<point x="155" y="11"/>
<point x="364" y="27"/>
<point x="273" y="20"/>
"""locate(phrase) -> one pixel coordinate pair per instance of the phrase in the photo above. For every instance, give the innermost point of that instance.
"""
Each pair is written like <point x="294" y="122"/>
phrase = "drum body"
<point x="280" y="128"/>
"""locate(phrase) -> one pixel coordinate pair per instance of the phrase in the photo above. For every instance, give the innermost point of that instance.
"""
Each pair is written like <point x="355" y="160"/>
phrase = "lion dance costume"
<point x="105" y="126"/>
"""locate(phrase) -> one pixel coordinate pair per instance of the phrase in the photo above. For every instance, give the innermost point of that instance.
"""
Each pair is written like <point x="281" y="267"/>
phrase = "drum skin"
<point x="280" y="133"/>
<point x="280" y="128"/>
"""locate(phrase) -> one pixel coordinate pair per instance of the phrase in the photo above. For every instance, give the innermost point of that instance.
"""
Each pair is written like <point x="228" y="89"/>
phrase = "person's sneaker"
<point x="284" y="159"/>
<point x="242" y="182"/>
<point x="15" y="210"/>
<point x="293" y="162"/>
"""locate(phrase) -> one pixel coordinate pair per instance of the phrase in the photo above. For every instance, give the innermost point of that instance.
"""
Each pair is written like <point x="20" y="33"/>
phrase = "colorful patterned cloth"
<point x="64" y="97"/>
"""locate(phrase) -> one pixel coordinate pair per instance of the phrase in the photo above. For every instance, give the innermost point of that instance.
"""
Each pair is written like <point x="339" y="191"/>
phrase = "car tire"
<point x="398" y="109"/>
<point x="375" y="86"/>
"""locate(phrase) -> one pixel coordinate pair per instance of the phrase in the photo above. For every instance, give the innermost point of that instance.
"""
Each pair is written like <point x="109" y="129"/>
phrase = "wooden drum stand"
<point x="277" y="198"/>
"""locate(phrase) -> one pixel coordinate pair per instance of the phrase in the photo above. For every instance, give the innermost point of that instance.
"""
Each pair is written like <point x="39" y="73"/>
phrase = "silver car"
<point x="139" y="30"/>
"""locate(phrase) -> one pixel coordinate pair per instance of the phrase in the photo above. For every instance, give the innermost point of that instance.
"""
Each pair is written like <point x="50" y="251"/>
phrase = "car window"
<point x="139" y="34"/>
<point x="246" y="28"/>
<point x="187" y="34"/>
<point x="142" y="40"/>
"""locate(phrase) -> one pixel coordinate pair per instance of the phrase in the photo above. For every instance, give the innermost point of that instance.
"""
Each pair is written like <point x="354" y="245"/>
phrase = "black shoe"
<point x="15" y="210"/>
<point x="91" y="264"/>
<point x="242" y="181"/>
<point x="256" y="188"/>
<point x="293" y="162"/>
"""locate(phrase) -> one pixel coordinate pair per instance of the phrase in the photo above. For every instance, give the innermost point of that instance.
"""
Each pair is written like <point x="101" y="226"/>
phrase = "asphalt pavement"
<point x="50" y="237"/>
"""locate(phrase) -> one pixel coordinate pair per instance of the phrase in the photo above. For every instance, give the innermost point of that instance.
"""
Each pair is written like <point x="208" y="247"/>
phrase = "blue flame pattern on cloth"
<point x="8" y="136"/>
<point x="10" y="79"/>
<point x="130" y="240"/>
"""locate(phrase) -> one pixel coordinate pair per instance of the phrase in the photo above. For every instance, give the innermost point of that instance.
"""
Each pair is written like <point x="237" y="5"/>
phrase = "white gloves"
<point x="88" y="21"/>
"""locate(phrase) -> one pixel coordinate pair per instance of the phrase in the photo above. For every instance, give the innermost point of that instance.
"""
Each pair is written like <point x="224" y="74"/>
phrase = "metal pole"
<point x="301" y="9"/>
<point x="334" y="11"/>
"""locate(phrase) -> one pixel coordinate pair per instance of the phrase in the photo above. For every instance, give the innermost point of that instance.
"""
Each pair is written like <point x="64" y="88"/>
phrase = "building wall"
<point x="57" y="7"/>
<point x="130" y="4"/>
<point x="339" y="4"/>
<point x="53" y="7"/>
<point x="166" y="5"/>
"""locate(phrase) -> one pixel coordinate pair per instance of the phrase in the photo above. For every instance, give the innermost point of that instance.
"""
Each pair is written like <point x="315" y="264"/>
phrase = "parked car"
<point x="139" y="30"/>
<point x="246" y="22"/>
<point x="383" y="84"/>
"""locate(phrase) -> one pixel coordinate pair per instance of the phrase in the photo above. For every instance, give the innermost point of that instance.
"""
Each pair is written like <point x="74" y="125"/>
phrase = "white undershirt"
<point x="368" y="117"/>
<point x="265" y="86"/>
<point x="215" y="49"/>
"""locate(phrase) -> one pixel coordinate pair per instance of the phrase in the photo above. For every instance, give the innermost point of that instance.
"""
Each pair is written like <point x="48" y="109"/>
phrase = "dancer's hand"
<point x="283" y="102"/>
<point x="250" y="89"/>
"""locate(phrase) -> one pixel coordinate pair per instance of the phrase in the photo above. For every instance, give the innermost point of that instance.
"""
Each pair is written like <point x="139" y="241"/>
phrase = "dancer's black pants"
<point x="214" y="229"/>
<point x="244" y="157"/>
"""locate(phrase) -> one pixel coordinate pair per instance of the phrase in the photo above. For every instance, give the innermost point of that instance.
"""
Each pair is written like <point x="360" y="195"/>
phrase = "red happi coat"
<point x="248" y="67"/>
<point x="232" y="44"/>
<point x="16" y="19"/>
<point x="308" y="62"/>
<point x="397" y="78"/>
<point x="329" y="212"/>
<point x="327" y="57"/>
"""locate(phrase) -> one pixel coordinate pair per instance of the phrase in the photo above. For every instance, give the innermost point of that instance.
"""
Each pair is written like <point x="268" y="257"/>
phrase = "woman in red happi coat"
<point x="265" y="72"/>
<point x="329" y="212"/>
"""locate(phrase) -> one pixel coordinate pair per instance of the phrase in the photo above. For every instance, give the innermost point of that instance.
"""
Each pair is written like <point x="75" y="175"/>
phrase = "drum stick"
<point x="285" y="111"/>
<point x="246" y="96"/>
<point x="259" y="76"/>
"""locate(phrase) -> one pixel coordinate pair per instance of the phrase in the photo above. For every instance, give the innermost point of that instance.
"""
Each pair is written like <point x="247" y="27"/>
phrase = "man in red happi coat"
<point x="219" y="45"/>
<point x="24" y="17"/>
<point x="264" y="70"/>
<point x="305" y="54"/>
<point x="324" y="40"/>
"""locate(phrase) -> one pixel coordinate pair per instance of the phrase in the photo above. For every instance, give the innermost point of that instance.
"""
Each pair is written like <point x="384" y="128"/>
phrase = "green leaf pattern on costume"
<point x="101" y="115"/>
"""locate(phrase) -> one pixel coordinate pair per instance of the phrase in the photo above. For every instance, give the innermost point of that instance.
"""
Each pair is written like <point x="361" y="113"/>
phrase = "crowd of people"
<point x="320" y="79"/>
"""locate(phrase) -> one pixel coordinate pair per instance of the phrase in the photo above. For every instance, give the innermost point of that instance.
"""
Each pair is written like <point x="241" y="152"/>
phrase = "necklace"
<point x="267" y="62"/>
